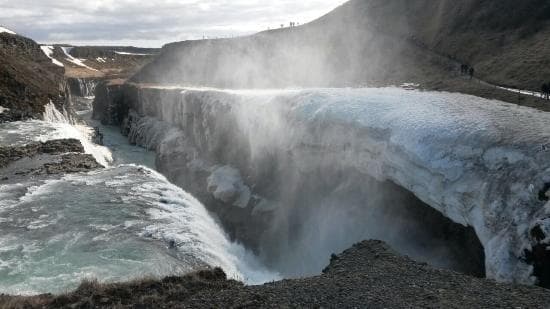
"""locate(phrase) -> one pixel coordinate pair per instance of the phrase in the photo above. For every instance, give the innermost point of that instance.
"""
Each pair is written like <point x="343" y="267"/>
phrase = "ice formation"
<point x="481" y="163"/>
<point x="131" y="54"/>
<point x="226" y="185"/>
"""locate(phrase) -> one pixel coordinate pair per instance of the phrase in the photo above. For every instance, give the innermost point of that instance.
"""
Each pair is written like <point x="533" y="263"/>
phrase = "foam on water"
<point x="115" y="224"/>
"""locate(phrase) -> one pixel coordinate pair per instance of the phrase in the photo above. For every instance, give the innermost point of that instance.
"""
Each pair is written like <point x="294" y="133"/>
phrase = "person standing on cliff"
<point x="545" y="91"/>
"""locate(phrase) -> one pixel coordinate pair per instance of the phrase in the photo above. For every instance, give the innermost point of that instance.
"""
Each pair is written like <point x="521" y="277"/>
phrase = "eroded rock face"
<point x="109" y="106"/>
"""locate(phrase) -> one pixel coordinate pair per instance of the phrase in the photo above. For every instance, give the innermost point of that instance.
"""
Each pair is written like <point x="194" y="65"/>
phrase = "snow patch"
<point x="48" y="51"/>
<point x="3" y="109"/>
<point x="74" y="60"/>
<point x="6" y="30"/>
<point x="131" y="54"/>
<point x="524" y="92"/>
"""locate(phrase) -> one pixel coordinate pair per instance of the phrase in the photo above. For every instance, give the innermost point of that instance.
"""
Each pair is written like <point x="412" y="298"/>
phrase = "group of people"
<point x="546" y="91"/>
<point x="292" y="24"/>
<point x="467" y="70"/>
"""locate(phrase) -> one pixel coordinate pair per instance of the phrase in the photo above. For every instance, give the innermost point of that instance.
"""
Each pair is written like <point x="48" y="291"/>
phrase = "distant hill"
<point x="375" y="42"/>
<point x="32" y="76"/>
<point x="101" y="62"/>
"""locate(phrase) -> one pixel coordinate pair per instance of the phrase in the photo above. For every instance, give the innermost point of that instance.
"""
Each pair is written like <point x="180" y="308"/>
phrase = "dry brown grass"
<point x="145" y="292"/>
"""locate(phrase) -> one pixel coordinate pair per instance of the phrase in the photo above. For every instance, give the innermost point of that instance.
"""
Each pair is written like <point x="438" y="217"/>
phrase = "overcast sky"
<point x="151" y="23"/>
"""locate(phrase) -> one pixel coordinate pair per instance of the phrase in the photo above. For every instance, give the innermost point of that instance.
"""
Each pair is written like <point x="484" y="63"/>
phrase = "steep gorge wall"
<point x="316" y="167"/>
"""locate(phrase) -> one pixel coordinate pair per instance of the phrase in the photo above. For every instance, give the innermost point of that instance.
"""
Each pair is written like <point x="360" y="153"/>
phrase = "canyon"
<point x="226" y="165"/>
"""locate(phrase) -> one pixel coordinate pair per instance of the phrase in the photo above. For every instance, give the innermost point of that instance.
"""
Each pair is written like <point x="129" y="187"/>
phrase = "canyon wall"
<point x="313" y="170"/>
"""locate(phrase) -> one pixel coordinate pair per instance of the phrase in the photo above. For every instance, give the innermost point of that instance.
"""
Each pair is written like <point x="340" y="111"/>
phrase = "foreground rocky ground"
<point x="369" y="274"/>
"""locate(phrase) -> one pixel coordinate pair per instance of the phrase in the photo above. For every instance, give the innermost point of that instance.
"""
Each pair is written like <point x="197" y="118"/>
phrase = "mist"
<point x="306" y="191"/>
<point x="343" y="48"/>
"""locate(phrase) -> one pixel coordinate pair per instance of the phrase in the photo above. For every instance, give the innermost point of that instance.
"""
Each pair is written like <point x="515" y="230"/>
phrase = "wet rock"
<point x="10" y="154"/>
<point x="71" y="163"/>
<point x="51" y="157"/>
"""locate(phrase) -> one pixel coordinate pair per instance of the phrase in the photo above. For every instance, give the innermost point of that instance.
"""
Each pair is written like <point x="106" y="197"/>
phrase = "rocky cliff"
<point x="28" y="79"/>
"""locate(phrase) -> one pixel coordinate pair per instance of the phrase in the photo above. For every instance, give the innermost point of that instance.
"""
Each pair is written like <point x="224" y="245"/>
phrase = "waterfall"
<point x="82" y="87"/>
<point x="309" y="155"/>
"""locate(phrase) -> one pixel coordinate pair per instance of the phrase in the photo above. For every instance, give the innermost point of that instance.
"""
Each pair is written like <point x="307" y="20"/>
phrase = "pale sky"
<point x="151" y="23"/>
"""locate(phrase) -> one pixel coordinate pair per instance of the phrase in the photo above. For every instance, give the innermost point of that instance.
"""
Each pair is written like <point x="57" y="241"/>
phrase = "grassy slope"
<point x="506" y="40"/>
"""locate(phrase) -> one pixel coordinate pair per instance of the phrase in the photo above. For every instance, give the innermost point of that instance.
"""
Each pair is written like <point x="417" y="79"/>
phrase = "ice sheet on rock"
<point x="479" y="162"/>
<point x="225" y="184"/>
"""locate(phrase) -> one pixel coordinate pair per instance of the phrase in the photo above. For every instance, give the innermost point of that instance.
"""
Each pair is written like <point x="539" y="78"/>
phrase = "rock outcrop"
<point x="12" y="154"/>
<point x="50" y="157"/>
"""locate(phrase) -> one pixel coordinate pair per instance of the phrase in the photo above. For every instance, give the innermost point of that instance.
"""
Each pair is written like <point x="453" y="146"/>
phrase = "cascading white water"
<point x="115" y="224"/>
<point x="119" y="223"/>
<point x="87" y="87"/>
